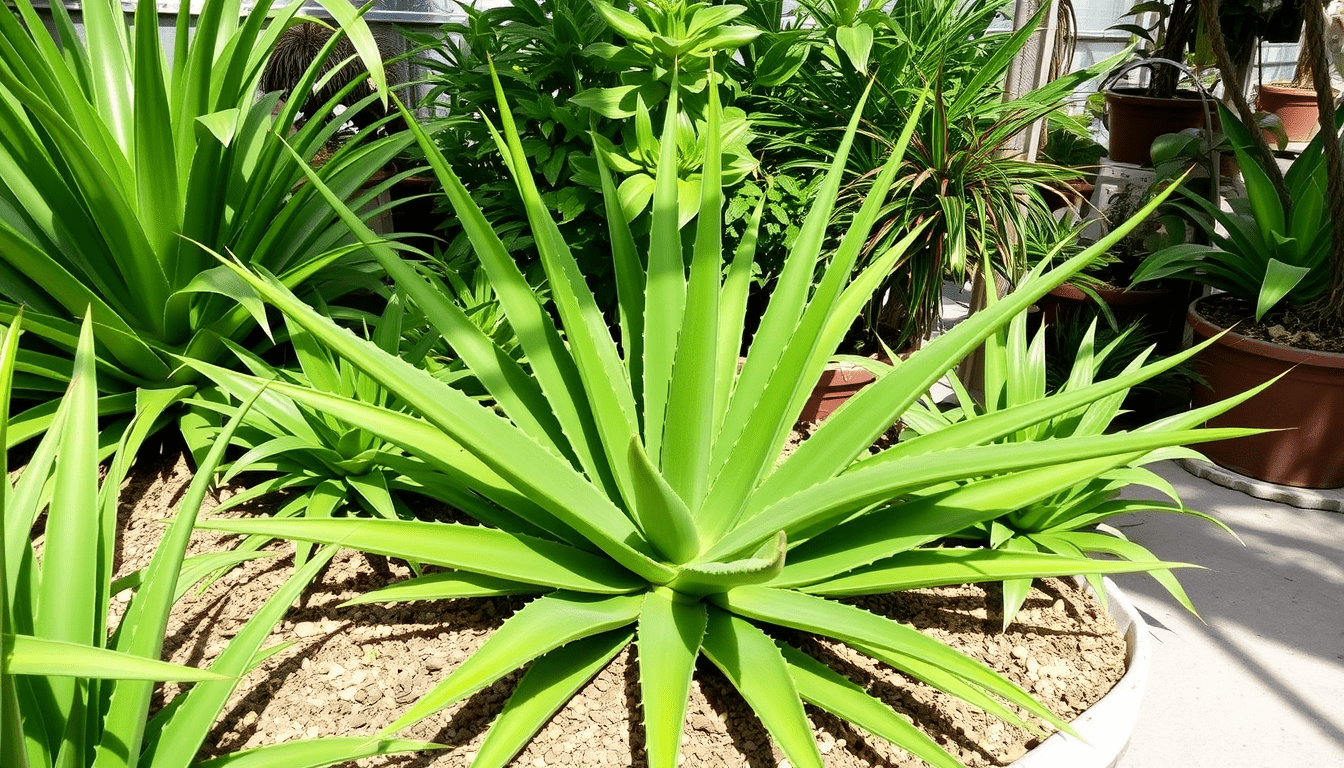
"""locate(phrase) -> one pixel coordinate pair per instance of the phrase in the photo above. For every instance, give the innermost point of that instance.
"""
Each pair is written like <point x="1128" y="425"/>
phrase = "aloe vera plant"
<point x="634" y="481"/>
<point x="71" y="695"/>
<point x="1071" y="521"/>
<point x="116" y="166"/>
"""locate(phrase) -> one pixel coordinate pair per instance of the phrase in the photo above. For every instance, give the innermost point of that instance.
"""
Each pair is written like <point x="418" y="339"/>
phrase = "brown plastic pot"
<point x="1136" y="120"/>
<point x="1296" y="107"/>
<point x="839" y="382"/>
<point x="1307" y="403"/>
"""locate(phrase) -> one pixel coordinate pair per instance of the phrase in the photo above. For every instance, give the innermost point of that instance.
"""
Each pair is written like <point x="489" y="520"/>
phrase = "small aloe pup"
<point x="71" y="696"/>
<point x="635" y="479"/>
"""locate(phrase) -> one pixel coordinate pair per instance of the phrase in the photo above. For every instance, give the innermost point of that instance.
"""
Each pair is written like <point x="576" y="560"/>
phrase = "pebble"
<point x="307" y="629"/>
<point x="1019" y="651"/>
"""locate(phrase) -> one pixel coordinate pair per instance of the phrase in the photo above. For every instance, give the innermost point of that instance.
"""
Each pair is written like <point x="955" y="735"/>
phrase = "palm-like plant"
<point x="118" y="167"/>
<point x="644" y="472"/>
<point x="72" y="694"/>
<point x="974" y="197"/>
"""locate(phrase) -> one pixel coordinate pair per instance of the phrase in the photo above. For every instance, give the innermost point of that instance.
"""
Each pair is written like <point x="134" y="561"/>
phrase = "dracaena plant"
<point x="118" y="167"/>
<point x="962" y="179"/>
<point x="74" y="691"/>
<point x="1071" y="521"/>
<point x="635" y="473"/>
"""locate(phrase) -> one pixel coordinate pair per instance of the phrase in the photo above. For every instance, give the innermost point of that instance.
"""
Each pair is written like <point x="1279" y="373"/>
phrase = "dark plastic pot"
<point x="1307" y="403"/>
<point x="1136" y="120"/>
<point x="1161" y="310"/>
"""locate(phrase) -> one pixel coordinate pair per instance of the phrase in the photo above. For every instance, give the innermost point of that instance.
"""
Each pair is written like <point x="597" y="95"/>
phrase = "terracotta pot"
<point x="1136" y="120"/>
<point x="1296" y="107"/>
<point x="1162" y="310"/>
<point x="1307" y="403"/>
<point x="839" y="382"/>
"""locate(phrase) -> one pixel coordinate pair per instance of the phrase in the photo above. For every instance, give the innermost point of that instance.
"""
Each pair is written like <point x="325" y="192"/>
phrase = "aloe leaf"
<point x="945" y="566"/>
<point x="1128" y="550"/>
<point x="69" y="592"/>
<point x="173" y="738"/>
<point x="670" y="632"/>
<point x="821" y="686"/>
<point x="920" y="521"/>
<point x="764" y="565"/>
<point x="27" y="655"/>
<point x="733" y="310"/>
<point x="550" y="682"/>
<point x="598" y="364"/>
<point x="415" y="436"/>
<point x="689" y="433"/>
<point x="813" y="341"/>
<point x="665" y="293"/>
<point x="148" y="612"/>
<point x="662" y="513"/>
<point x="787" y="303"/>
<point x="444" y="586"/>
<point x="542" y="626"/>
<point x="481" y="550"/>
<point x="836" y="498"/>
<point x="316" y="753"/>
<point x="630" y="280"/>
<point x="945" y="681"/>
<point x="755" y="666"/>
<point x="856" y="626"/>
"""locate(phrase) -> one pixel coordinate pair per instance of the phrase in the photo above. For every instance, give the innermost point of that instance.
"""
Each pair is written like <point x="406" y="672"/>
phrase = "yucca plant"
<point x="644" y="470"/>
<point x="116" y="168"/>
<point x="56" y="707"/>
<point x="1073" y="520"/>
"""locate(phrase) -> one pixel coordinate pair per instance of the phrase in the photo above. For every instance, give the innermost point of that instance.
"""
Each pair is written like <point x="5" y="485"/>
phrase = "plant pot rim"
<point x="1288" y="354"/>
<point x="1120" y="295"/>
<point x="1285" y="88"/>
<point x="1138" y="95"/>
<point x="1106" y="726"/>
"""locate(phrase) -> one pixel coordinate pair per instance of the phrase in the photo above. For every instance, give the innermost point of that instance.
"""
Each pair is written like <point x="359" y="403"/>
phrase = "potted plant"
<point x="638" y="490"/>
<point x="1105" y="289"/>
<point x="1199" y="33"/>
<point x="1279" y="315"/>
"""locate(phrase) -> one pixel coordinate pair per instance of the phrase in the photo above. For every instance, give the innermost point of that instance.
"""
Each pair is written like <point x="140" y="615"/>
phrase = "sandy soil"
<point x="351" y="671"/>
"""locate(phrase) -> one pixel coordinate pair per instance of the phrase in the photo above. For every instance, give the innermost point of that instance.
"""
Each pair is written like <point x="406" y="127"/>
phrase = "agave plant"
<point x="643" y="469"/>
<point x="74" y="695"/>
<point x="118" y="166"/>
<point x="1072" y="521"/>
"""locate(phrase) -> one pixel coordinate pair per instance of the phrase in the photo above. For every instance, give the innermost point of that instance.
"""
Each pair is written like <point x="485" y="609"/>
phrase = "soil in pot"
<point x="1306" y="405"/>
<point x="352" y="671"/>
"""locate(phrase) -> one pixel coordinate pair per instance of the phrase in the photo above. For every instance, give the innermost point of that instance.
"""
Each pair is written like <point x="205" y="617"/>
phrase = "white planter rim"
<point x="1107" y="725"/>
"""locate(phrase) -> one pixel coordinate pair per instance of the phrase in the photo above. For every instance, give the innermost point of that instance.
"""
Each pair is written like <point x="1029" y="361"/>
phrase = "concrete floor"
<point x="1261" y="683"/>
